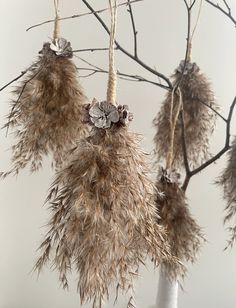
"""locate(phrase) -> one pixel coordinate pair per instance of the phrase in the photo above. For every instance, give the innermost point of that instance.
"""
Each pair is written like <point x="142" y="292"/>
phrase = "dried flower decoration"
<point x="46" y="115"/>
<point x="104" y="114"/>
<point x="199" y="119"/>
<point x="62" y="47"/>
<point x="184" y="235"/>
<point x="228" y="182"/>
<point x="103" y="215"/>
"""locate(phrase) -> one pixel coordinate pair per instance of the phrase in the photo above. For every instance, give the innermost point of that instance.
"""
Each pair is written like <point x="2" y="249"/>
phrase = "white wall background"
<point x="211" y="282"/>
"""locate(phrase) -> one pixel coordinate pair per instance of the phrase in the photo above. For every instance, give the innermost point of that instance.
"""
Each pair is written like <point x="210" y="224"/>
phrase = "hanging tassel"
<point x="184" y="235"/>
<point x="46" y="114"/>
<point x="199" y="118"/>
<point x="103" y="215"/>
<point x="104" y="219"/>
<point x="228" y="182"/>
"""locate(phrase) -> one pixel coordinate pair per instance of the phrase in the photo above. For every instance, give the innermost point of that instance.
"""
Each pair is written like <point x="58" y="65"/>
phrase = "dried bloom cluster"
<point x="228" y="181"/>
<point x="184" y="235"/>
<point x="104" y="219"/>
<point x="198" y="117"/>
<point x="46" y="114"/>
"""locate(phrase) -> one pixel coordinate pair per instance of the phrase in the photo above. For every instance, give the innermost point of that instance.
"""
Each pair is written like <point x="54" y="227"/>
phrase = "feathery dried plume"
<point x="104" y="219"/>
<point x="184" y="235"/>
<point x="228" y="181"/>
<point x="198" y="117"/>
<point x="46" y="115"/>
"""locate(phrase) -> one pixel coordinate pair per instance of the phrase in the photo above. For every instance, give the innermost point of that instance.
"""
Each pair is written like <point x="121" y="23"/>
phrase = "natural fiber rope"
<point x="173" y="122"/>
<point x="189" y="56"/>
<point x="112" y="76"/>
<point x="56" y="21"/>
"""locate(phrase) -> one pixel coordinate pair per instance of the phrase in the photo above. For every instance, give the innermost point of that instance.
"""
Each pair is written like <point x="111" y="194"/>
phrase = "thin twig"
<point x="188" y="46"/>
<point x="90" y="49"/>
<point x="214" y="110"/>
<point x="227" y="13"/>
<point x="192" y="5"/>
<point x="137" y="60"/>
<point x="13" y="80"/>
<point x="187" y="41"/>
<point x="79" y="15"/>
<point x="220" y="153"/>
<point x="95" y="69"/>
<point x="135" y="32"/>
<point x="228" y="7"/>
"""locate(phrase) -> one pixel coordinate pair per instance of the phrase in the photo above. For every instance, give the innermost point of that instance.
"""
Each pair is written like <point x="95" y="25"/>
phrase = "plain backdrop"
<point x="161" y="25"/>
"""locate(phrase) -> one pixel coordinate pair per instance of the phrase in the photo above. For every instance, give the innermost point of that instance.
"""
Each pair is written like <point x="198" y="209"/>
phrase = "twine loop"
<point x="112" y="75"/>
<point x="56" y="31"/>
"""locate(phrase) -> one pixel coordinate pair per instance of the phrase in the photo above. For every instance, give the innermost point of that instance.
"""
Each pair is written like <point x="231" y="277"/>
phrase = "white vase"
<point x="167" y="295"/>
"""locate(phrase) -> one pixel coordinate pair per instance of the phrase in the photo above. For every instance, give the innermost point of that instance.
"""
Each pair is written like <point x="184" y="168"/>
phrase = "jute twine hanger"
<point x="189" y="56"/>
<point x="112" y="75"/>
<point x="56" y="31"/>
<point x="173" y="122"/>
<point x="174" y="118"/>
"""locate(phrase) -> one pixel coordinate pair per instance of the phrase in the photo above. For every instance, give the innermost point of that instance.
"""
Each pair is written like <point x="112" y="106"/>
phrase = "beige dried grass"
<point x="228" y="181"/>
<point x="104" y="219"/>
<point x="184" y="234"/>
<point x="46" y="114"/>
<point x="199" y="118"/>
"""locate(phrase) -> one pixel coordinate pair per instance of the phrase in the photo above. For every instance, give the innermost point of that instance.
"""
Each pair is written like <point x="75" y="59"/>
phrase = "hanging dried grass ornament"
<point x="47" y="114"/>
<point x="184" y="234"/>
<point x="198" y="99"/>
<point x="103" y="220"/>
<point x="228" y="182"/>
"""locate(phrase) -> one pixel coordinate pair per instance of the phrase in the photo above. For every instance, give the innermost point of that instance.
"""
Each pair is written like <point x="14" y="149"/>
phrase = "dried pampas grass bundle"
<point x="103" y="211"/>
<point x="104" y="219"/>
<point x="198" y="117"/>
<point x="184" y="235"/>
<point x="46" y="115"/>
<point x="228" y="182"/>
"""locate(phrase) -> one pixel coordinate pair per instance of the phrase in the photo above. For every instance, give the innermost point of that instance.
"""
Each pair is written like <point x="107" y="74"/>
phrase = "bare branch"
<point x="90" y="49"/>
<point x="192" y="5"/>
<point x="135" y="32"/>
<point x="188" y="40"/>
<point x="79" y="15"/>
<point x="219" y="154"/>
<point x="93" y="69"/>
<point x="227" y="142"/>
<point x="13" y="80"/>
<point x="215" y="111"/>
<point x="226" y="13"/>
<point x="18" y="77"/>
<point x="228" y="7"/>
<point x="137" y="60"/>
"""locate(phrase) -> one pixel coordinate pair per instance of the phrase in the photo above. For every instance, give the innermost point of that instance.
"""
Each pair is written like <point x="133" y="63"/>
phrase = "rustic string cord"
<point x="173" y="122"/>
<point x="112" y="75"/>
<point x="189" y="57"/>
<point x="56" y="21"/>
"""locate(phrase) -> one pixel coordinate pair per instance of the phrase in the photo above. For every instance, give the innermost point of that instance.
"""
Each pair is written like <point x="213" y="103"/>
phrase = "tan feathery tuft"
<point x="104" y="219"/>
<point x="199" y="119"/>
<point x="46" y="114"/>
<point x="228" y="182"/>
<point x="184" y="234"/>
